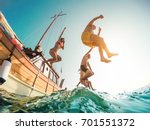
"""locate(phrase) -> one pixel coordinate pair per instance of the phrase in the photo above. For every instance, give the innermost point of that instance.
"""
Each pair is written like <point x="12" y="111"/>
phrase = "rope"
<point x="32" y="33"/>
<point x="45" y="46"/>
<point x="57" y="31"/>
<point x="47" y="42"/>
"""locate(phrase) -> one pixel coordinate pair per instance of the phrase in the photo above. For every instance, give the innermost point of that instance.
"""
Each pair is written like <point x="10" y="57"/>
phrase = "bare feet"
<point x="112" y="54"/>
<point x="50" y="64"/>
<point x="105" y="60"/>
<point x="83" y="82"/>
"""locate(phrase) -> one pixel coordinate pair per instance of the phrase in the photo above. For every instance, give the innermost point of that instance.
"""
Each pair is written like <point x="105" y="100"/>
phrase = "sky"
<point x="125" y="29"/>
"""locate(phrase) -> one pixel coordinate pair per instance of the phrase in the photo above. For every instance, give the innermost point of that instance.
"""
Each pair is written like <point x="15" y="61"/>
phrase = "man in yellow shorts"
<point x="92" y="40"/>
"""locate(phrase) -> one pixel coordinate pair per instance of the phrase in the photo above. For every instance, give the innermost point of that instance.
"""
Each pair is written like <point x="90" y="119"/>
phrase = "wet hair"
<point x="62" y="39"/>
<point x="93" y="27"/>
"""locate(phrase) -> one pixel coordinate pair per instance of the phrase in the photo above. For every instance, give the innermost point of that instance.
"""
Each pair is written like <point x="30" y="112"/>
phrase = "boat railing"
<point x="51" y="70"/>
<point x="12" y="50"/>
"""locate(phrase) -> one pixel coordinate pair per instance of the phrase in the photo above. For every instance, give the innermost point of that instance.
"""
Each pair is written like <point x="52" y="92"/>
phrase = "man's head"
<point x="93" y="27"/>
<point x="89" y="56"/>
<point x="62" y="40"/>
<point x="101" y="16"/>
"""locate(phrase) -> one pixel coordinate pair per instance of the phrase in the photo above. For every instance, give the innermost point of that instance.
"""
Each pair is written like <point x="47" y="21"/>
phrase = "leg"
<point x="84" y="82"/>
<point x="99" y="42"/>
<point x="56" y="58"/>
<point x="78" y="83"/>
<point x="109" y="54"/>
<point x="87" y="74"/>
<point x="59" y="58"/>
<point x="87" y="83"/>
<point x="90" y="85"/>
<point x="103" y="45"/>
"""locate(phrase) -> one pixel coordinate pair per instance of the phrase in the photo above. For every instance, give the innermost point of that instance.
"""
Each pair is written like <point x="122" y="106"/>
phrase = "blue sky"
<point x="125" y="29"/>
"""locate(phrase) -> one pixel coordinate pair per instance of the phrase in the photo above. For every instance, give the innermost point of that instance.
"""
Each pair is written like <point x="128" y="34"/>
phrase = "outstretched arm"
<point x="99" y="31"/>
<point x="89" y="51"/>
<point x="93" y="20"/>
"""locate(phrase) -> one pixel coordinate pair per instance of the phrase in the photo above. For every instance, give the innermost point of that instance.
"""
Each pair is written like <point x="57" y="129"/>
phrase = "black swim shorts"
<point x="83" y="68"/>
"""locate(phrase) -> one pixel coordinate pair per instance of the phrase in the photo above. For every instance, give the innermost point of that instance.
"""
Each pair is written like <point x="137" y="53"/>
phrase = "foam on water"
<point x="79" y="100"/>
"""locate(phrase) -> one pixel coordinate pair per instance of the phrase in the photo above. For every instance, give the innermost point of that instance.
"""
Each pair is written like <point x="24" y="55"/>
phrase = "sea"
<point x="78" y="100"/>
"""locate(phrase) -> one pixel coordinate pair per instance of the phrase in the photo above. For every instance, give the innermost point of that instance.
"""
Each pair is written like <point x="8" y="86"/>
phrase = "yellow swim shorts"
<point x="86" y="39"/>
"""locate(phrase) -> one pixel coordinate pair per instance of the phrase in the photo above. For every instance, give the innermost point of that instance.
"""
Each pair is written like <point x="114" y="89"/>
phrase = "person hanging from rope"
<point x="86" y="70"/>
<point x="54" y="51"/>
<point x="92" y="40"/>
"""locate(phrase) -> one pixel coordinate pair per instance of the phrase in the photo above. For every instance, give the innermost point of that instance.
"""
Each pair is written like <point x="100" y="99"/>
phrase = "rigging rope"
<point x="53" y="35"/>
<point x="29" y="36"/>
<point x="47" y="45"/>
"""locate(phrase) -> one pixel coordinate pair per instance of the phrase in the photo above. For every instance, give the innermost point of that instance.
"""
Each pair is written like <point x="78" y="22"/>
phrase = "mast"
<point x="55" y="17"/>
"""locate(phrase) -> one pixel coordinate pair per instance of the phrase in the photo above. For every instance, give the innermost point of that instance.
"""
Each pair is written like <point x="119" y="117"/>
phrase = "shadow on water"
<point x="79" y="100"/>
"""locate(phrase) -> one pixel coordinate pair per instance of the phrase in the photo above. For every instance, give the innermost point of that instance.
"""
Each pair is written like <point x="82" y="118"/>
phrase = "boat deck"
<point x="23" y="69"/>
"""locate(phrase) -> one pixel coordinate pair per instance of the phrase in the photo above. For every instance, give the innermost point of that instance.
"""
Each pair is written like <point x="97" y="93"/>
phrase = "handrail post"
<point x="53" y="88"/>
<point x="48" y="81"/>
<point x="38" y="74"/>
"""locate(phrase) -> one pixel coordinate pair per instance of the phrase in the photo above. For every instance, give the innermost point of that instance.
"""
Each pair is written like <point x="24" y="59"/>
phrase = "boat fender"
<point x="4" y="70"/>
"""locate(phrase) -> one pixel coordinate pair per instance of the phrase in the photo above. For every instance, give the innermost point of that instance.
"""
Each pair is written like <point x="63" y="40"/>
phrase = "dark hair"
<point x="62" y="39"/>
<point x="89" y="56"/>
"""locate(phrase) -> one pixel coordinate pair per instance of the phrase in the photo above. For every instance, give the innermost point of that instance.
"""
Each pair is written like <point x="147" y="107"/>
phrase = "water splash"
<point x="79" y="100"/>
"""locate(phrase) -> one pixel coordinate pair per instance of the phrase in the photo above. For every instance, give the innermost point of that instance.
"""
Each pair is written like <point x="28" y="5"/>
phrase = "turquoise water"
<point x="79" y="100"/>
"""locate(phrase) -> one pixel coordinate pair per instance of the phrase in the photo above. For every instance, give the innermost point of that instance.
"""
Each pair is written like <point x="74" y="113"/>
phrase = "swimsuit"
<point x="86" y="38"/>
<point x="83" y="68"/>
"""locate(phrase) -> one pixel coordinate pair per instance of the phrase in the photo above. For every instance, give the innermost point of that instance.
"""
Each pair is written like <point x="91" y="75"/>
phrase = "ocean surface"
<point x="79" y="100"/>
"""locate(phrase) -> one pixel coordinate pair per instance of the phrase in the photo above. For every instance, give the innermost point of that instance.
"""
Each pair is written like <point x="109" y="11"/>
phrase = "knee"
<point x="54" y="58"/>
<point x="88" y="82"/>
<point x="92" y="73"/>
<point x="59" y="58"/>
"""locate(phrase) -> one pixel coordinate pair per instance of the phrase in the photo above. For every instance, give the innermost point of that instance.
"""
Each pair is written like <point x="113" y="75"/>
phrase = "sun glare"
<point x="122" y="73"/>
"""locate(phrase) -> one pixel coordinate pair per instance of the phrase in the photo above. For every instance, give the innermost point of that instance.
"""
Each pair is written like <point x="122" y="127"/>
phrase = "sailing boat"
<point x="18" y="73"/>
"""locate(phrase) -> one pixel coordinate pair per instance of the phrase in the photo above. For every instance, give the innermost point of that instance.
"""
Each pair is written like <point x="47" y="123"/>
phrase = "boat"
<point x="27" y="77"/>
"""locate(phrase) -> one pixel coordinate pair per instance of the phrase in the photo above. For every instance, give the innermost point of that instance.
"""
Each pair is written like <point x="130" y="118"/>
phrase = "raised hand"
<point x="101" y="16"/>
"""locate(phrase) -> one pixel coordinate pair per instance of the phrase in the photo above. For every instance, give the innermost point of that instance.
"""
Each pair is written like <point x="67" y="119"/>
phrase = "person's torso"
<point x="85" y="61"/>
<point x="89" y="29"/>
<point x="57" y="47"/>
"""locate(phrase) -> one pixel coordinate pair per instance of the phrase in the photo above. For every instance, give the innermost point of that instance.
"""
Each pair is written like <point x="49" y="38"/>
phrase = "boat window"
<point x="54" y="78"/>
<point x="51" y="76"/>
<point x="46" y="70"/>
<point x="42" y="69"/>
